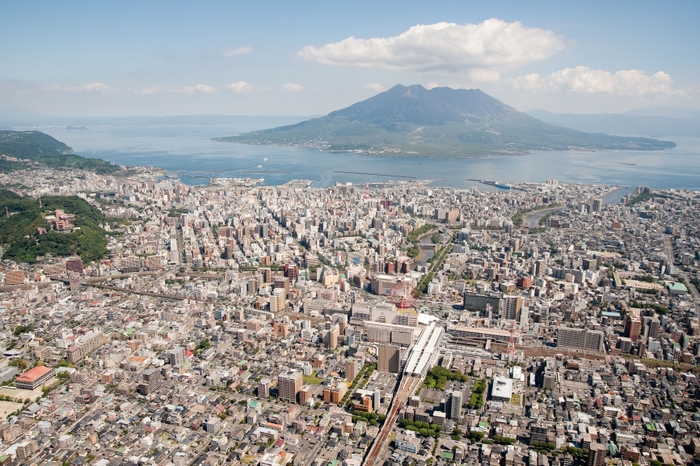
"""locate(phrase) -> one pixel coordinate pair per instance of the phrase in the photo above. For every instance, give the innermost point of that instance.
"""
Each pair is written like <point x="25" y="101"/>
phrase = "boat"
<point x="264" y="160"/>
<point x="498" y="184"/>
<point x="259" y="166"/>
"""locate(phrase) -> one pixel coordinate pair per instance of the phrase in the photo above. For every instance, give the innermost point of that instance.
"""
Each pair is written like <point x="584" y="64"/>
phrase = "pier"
<point x="376" y="174"/>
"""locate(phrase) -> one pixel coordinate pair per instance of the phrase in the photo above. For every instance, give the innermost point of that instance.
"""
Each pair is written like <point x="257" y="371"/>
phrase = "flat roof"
<point x="502" y="388"/>
<point x="484" y="330"/>
<point x="676" y="286"/>
<point x="34" y="374"/>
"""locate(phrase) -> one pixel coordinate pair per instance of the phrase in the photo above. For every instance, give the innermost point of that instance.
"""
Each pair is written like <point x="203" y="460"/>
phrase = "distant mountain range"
<point x="14" y="117"/>
<point x="656" y="122"/>
<point x="440" y="122"/>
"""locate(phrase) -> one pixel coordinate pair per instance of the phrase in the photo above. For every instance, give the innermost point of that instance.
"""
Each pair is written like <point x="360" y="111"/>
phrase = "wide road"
<point x="407" y="387"/>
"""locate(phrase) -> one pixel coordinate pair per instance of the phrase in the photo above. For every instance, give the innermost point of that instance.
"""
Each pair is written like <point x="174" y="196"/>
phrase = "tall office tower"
<point x="454" y="406"/>
<point x="277" y="303"/>
<point x="289" y="384"/>
<point x="352" y="368"/>
<point x="389" y="359"/>
<point x="597" y="205"/>
<point x="177" y="356"/>
<point x="511" y="307"/>
<point x="654" y="328"/>
<point x="633" y="327"/>
<point x="333" y="337"/>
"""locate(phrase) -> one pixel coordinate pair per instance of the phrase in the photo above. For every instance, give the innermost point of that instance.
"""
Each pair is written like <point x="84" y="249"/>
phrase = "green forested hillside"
<point x="20" y="218"/>
<point x="42" y="148"/>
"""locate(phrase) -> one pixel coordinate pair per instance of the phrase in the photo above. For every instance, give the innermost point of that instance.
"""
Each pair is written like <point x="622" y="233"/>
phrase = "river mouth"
<point x="533" y="220"/>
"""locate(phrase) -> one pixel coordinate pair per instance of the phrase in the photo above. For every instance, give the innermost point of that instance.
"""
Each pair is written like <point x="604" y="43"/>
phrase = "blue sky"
<point x="304" y="58"/>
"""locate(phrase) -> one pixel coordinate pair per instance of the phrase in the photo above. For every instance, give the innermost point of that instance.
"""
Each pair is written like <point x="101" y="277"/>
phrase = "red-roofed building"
<point x="34" y="378"/>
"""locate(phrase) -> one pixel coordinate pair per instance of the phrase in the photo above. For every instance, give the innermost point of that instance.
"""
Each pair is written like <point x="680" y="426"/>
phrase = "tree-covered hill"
<point x="21" y="218"/>
<point x="35" y="146"/>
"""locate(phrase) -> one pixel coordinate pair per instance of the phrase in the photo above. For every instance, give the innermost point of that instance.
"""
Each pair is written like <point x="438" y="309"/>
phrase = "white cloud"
<point x="480" y="50"/>
<point x="584" y="80"/>
<point x="241" y="87"/>
<point x="174" y="89"/>
<point x="236" y="51"/>
<point x="91" y="87"/>
<point x="94" y="87"/>
<point x="376" y="87"/>
<point x="291" y="87"/>
<point x="204" y="88"/>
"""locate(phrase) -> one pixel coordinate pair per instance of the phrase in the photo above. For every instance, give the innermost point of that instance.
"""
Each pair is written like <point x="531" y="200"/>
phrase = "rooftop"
<point x="34" y="374"/>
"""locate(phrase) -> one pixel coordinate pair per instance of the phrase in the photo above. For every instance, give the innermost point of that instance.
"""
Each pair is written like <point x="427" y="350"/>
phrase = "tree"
<point x="20" y="364"/>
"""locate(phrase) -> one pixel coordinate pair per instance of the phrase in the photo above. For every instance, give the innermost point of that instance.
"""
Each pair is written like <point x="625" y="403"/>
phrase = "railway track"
<point x="407" y="387"/>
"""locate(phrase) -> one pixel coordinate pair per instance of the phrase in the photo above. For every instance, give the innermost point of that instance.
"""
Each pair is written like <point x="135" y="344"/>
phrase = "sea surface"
<point x="189" y="152"/>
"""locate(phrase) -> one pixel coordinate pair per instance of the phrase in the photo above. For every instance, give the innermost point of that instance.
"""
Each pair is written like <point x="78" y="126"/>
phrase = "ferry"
<point x="498" y="184"/>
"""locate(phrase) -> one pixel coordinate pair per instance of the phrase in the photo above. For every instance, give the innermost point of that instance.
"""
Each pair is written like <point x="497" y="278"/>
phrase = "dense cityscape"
<point x="391" y="323"/>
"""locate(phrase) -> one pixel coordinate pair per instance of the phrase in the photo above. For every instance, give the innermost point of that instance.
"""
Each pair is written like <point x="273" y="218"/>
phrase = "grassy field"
<point x="313" y="379"/>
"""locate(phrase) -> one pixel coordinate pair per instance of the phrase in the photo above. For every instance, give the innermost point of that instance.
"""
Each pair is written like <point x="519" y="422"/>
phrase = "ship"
<point x="498" y="184"/>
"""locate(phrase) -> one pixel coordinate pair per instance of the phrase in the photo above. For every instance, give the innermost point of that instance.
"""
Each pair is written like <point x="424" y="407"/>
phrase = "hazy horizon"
<point x="170" y="58"/>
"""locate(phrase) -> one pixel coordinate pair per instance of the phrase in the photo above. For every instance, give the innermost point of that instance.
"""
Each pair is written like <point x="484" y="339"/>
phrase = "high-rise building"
<point x="549" y="380"/>
<point x="652" y="327"/>
<point x="14" y="277"/>
<point x="524" y="316"/>
<point x="482" y="302"/>
<point x="352" y="367"/>
<point x="538" y="434"/>
<point x="129" y="264"/>
<point x="264" y="387"/>
<point x="389" y="359"/>
<point x="177" y="356"/>
<point x="280" y="329"/>
<point x="84" y="345"/>
<point x="511" y="307"/>
<point x="540" y="267"/>
<point x="633" y="327"/>
<point x="304" y="395"/>
<point x="367" y="403"/>
<point x="282" y="283"/>
<point x="333" y="336"/>
<point x="74" y="264"/>
<point x="581" y="339"/>
<point x="289" y="384"/>
<point x="597" y="454"/>
<point x="454" y="405"/>
<point x="152" y="381"/>
<point x="277" y="303"/>
<point x="154" y="262"/>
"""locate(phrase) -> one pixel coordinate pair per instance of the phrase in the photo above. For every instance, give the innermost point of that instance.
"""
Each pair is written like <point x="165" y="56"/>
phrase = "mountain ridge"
<point x="34" y="148"/>
<point x="443" y="122"/>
